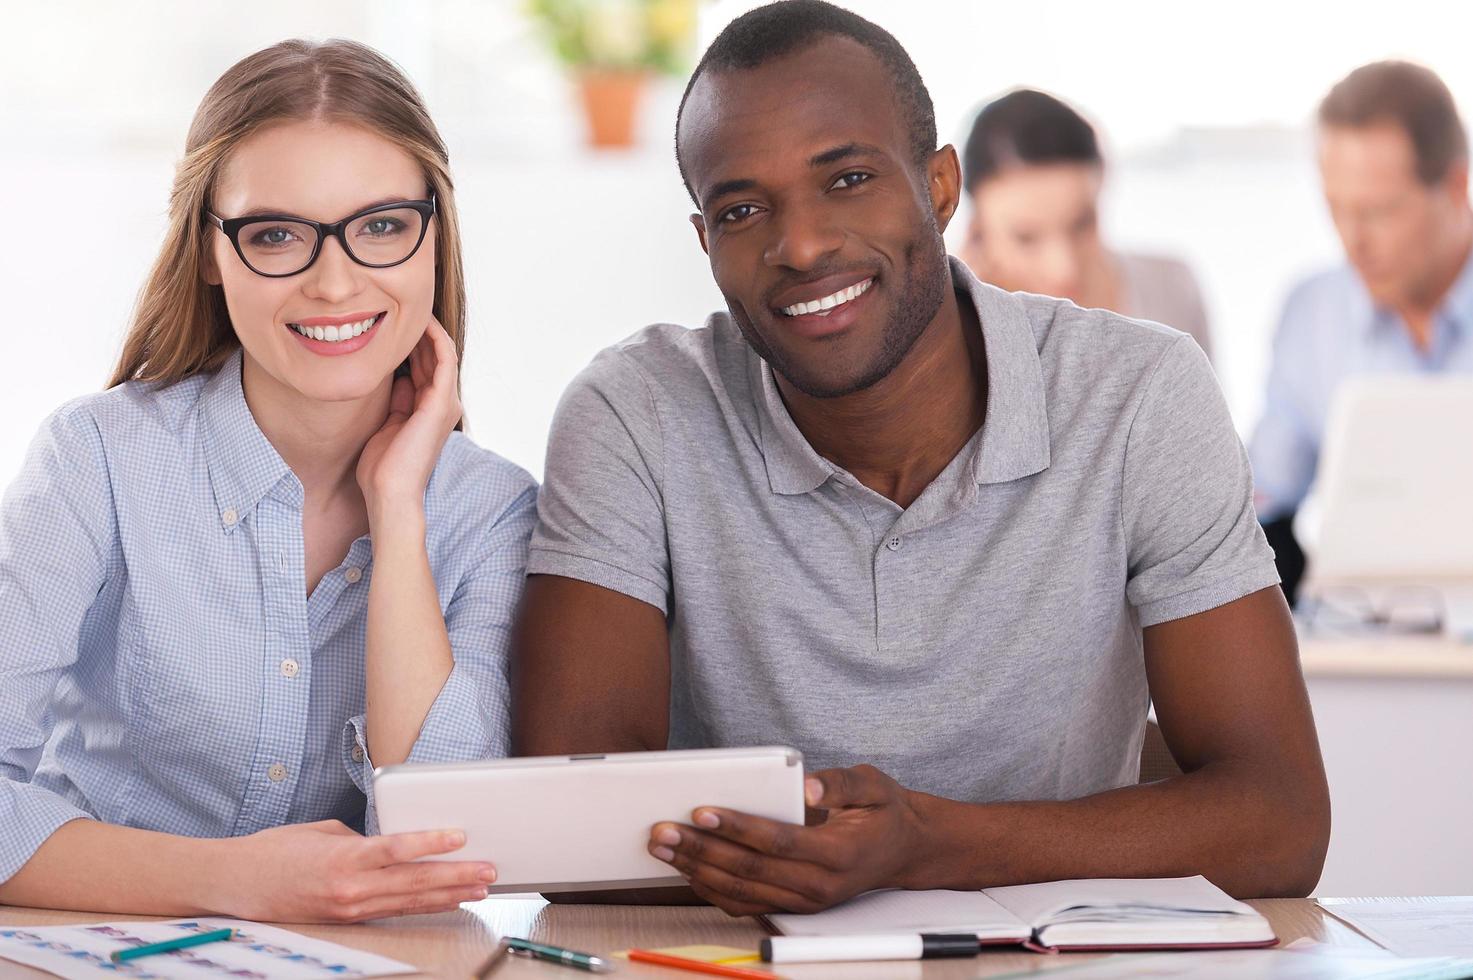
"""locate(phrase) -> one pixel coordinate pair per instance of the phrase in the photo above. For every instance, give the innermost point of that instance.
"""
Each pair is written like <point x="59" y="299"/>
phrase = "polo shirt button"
<point x="276" y="773"/>
<point x="289" y="667"/>
<point x="229" y="516"/>
<point x="893" y="544"/>
<point x="353" y="575"/>
<point x="358" y="753"/>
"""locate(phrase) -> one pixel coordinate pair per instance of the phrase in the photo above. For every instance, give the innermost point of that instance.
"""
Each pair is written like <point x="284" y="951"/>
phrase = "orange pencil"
<point x="698" y="966"/>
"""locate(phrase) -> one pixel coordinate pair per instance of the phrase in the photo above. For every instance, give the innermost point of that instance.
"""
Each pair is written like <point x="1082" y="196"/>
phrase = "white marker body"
<point x="837" y="949"/>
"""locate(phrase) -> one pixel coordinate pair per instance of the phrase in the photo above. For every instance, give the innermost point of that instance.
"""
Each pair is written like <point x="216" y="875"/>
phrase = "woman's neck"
<point x="320" y="441"/>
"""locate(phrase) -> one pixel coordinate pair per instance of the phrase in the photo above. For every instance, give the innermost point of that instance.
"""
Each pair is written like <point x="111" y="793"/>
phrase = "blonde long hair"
<point x="180" y="326"/>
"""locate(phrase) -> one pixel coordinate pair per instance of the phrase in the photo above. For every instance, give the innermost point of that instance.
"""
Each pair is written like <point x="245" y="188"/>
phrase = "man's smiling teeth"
<point x="333" y="335"/>
<point x="823" y="305"/>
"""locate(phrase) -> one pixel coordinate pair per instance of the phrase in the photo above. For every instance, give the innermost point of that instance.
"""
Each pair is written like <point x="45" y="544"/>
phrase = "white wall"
<point x="568" y="251"/>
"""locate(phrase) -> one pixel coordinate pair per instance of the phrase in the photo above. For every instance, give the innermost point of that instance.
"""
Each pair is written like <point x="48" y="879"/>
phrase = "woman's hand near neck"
<point x="320" y="441"/>
<point x="368" y="462"/>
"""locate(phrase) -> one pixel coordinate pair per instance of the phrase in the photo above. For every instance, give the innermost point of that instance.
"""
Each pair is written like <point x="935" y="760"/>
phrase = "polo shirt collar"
<point x="1014" y="441"/>
<point x="243" y="464"/>
<point x="793" y="467"/>
<point x="1015" y="431"/>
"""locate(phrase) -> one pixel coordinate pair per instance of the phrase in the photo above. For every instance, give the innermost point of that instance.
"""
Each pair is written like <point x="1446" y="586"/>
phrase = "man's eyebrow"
<point x="837" y="153"/>
<point x="285" y="213"/>
<point x="726" y="187"/>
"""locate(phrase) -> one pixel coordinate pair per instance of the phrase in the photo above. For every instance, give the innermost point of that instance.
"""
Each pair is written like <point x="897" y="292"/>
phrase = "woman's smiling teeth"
<point x="334" y="334"/>
<point x="824" y="304"/>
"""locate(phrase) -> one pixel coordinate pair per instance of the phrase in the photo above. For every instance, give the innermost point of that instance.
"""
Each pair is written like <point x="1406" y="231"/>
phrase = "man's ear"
<point x="700" y="225"/>
<point x="944" y="181"/>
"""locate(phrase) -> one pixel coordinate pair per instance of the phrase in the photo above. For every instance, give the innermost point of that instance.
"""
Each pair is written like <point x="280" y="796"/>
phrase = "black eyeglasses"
<point x="281" y="245"/>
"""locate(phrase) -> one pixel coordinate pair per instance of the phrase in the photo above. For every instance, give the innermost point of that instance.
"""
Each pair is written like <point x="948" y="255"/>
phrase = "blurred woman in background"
<point x="1033" y="171"/>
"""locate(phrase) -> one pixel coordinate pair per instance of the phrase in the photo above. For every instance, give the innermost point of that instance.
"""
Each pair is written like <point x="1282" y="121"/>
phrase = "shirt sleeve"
<point x="1192" y="538"/>
<point x="601" y="512"/>
<point x="470" y="717"/>
<point x="1283" y="448"/>
<point x="56" y="541"/>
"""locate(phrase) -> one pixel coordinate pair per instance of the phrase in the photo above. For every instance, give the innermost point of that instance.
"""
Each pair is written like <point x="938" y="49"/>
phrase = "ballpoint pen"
<point x="556" y="954"/>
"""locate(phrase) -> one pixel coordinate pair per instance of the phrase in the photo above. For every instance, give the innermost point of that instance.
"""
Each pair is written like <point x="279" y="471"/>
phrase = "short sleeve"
<point x="601" y="515"/>
<point x="1192" y="538"/>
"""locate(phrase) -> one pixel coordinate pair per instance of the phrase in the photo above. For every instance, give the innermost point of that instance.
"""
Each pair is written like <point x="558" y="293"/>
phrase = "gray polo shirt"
<point x="982" y="644"/>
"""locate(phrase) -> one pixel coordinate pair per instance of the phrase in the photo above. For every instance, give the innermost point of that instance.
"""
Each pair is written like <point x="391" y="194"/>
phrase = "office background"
<point x="1206" y="113"/>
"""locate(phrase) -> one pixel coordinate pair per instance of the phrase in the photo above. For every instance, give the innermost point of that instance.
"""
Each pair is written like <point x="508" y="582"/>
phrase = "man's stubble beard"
<point x="927" y="278"/>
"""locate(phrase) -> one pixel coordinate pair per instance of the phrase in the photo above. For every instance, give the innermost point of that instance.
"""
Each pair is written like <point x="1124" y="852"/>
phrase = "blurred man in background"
<point x="1393" y="157"/>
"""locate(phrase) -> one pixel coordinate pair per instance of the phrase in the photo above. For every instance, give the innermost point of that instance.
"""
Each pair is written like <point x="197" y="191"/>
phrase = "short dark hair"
<point x="777" y="29"/>
<point x="1026" y="127"/>
<point x="1413" y="98"/>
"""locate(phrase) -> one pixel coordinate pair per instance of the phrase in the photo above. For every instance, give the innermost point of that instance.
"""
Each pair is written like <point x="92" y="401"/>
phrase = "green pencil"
<point x="168" y="945"/>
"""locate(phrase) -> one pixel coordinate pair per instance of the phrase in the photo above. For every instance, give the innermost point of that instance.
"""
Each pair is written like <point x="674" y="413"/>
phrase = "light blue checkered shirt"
<point x="161" y="665"/>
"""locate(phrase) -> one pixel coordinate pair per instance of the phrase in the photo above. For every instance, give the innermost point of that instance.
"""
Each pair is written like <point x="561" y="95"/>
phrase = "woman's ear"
<point x="209" y="269"/>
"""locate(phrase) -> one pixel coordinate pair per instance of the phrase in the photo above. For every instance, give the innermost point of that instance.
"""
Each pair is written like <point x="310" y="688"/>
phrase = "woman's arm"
<point x="317" y="872"/>
<point x="408" y="647"/>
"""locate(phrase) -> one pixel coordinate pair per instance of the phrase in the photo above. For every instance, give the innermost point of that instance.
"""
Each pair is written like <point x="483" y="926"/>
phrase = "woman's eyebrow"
<point x="285" y="213"/>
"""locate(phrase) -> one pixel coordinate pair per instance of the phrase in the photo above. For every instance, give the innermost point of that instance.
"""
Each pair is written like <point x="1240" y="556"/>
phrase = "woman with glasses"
<point x="263" y="561"/>
<point x="1033" y="171"/>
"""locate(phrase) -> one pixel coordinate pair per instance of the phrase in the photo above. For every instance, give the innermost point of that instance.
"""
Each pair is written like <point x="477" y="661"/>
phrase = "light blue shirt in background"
<point x="1330" y="331"/>
<point x="161" y="664"/>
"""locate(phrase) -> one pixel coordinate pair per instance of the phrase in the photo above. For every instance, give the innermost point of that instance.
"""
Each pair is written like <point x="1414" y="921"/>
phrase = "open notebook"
<point x="1098" y="913"/>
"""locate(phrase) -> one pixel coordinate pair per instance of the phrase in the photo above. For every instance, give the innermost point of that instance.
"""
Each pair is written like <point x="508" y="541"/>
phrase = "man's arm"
<point x="590" y="671"/>
<point x="1251" y="811"/>
<point x="565" y="700"/>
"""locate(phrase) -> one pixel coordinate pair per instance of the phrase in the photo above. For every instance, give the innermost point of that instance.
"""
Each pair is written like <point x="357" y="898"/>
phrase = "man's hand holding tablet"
<point x="583" y="822"/>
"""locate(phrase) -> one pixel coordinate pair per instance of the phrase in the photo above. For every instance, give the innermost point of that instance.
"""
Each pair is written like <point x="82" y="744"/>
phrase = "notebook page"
<point x="909" y="911"/>
<point x="1134" y="898"/>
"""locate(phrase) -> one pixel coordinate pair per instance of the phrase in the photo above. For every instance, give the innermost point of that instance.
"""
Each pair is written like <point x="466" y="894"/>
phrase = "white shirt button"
<point x="353" y="575"/>
<point x="357" y="753"/>
<point x="229" y="516"/>
<point x="276" y="773"/>
<point x="893" y="544"/>
<point x="289" y="667"/>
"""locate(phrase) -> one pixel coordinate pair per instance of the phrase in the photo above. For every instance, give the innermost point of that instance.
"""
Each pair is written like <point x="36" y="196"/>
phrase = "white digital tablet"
<point x="582" y="822"/>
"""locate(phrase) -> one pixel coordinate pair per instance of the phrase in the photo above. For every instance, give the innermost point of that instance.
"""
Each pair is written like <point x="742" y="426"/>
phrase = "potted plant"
<point x="612" y="47"/>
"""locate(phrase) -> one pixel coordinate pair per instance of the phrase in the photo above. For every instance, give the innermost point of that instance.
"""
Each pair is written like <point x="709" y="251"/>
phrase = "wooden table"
<point x="453" y="944"/>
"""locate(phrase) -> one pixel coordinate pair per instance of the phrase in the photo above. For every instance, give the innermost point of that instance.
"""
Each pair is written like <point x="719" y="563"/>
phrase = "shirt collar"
<point x="1014" y="441"/>
<point x="243" y="464"/>
<point x="1015" y="433"/>
<point x="1456" y="308"/>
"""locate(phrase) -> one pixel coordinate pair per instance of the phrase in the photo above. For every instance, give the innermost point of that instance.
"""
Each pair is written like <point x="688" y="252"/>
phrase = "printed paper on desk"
<point x="256" y="953"/>
<point x="1433" y="926"/>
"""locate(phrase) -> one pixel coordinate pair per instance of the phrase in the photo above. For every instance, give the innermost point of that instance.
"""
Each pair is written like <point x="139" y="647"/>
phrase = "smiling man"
<point x="946" y="540"/>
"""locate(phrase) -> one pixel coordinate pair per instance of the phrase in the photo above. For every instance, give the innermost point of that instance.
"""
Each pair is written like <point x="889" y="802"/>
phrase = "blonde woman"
<point x="263" y="562"/>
